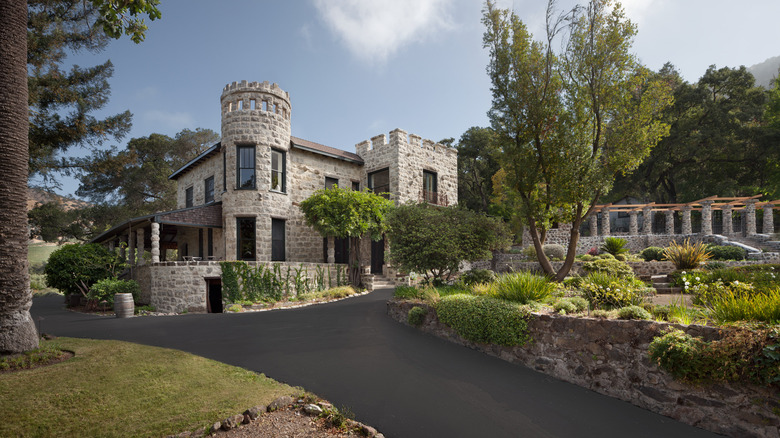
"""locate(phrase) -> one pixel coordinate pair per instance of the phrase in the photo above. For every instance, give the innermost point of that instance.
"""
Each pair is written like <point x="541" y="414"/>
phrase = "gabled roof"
<point x="197" y="160"/>
<point x="327" y="151"/>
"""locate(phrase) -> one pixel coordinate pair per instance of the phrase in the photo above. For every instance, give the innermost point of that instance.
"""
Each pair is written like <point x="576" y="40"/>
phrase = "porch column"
<point x="123" y="248"/>
<point x="155" y="242"/>
<point x="769" y="223"/>
<point x="669" y="222"/>
<point x="633" y="227"/>
<point x="647" y="217"/>
<point x="750" y="219"/>
<point x="686" y="220"/>
<point x="727" y="228"/>
<point x="605" y="221"/>
<point x="331" y="249"/>
<point x="140" y="246"/>
<point x="594" y="224"/>
<point x="131" y="248"/>
<point x="111" y="245"/>
<point x="706" y="217"/>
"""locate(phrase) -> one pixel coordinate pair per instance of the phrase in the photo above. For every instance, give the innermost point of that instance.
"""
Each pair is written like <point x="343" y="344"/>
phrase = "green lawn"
<point x="113" y="388"/>
<point x="38" y="254"/>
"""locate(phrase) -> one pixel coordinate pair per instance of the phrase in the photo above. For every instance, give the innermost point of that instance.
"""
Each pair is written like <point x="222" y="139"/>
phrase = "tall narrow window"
<point x="210" y="243"/>
<point x="188" y="201"/>
<point x="330" y="182"/>
<point x="246" y="167"/>
<point x="430" y="193"/>
<point x="277" y="240"/>
<point x="379" y="182"/>
<point x="200" y="243"/>
<point x="246" y="238"/>
<point x="209" y="189"/>
<point x="277" y="171"/>
<point x="356" y="186"/>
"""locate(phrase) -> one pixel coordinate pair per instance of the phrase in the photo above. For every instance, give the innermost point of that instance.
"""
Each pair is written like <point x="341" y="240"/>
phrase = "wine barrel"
<point x="123" y="305"/>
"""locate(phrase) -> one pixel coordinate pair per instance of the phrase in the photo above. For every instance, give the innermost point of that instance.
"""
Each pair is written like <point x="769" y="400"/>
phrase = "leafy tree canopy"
<point x="568" y="122"/>
<point x="73" y="269"/>
<point x="433" y="241"/>
<point x="477" y="163"/>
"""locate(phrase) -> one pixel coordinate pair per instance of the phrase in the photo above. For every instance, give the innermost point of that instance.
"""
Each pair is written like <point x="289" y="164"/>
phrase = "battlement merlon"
<point x="263" y="87"/>
<point x="400" y="137"/>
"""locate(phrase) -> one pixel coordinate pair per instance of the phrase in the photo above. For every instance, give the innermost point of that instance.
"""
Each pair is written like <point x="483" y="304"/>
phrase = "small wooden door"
<point x="377" y="256"/>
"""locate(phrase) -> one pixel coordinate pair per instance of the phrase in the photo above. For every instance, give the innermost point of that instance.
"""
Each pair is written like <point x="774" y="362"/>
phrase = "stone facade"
<point x="610" y="357"/>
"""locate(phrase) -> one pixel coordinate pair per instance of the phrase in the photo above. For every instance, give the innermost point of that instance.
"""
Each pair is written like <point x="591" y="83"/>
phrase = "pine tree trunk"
<point x="17" y="329"/>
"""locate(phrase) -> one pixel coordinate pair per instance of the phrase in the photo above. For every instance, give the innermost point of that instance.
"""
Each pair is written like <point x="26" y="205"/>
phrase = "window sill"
<point x="277" y="191"/>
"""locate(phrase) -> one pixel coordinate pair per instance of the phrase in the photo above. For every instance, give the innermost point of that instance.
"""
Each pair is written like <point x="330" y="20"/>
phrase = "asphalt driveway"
<point x="403" y="382"/>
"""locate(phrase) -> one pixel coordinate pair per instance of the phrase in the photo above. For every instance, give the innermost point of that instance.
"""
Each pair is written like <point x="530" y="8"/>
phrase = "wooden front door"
<point x="377" y="256"/>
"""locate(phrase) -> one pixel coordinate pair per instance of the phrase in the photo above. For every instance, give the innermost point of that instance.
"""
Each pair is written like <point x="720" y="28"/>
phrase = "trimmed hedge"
<point x="484" y="319"/>
<point x="726" y="252"/>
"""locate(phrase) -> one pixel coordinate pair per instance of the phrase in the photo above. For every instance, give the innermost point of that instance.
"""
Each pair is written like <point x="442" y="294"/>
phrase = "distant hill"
<point x="39" y="196"/>
<point x="765" y="71"/>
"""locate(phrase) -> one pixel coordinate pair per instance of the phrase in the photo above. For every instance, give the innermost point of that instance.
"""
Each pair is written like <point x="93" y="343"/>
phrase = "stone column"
<point x="727" y="229"/>
<point x="131" y="248"/>
<point x="669" y="222"/>
<point x="750" y="217"/>
<point x="111" y="245"/>
<point x="686" y="220"/>
<point x="605" y="221"/>
<point x="706" y="217"/>
<point x="140" y="246"/>
<point x="331" y="249"/>
<point x="647" y="217"/>
<point x="594" y="224"/>
<point x="769" y="223"/>
<point x="155" y="242"/>
<point x="123" y="248"/>
<point x="633" y="227"/>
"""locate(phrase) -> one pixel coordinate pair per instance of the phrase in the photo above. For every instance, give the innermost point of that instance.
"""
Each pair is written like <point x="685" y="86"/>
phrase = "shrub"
<point x="733" y="305"/>
<point x="237" y="308"/>
<point x="652" y="253"/>
<point x="609" y="266"/>
<point x="633" y="312"/>
<point x="686" y="255"/>
<point x="614" y="245"/>
<point x="529" y="252"/>
<point x="484" y="319"/>
<point x="571" y="305"/>
<point x="620" y="257"/>
<point x="521" y="287"/>
<point x="712" y="266"/>
<point x="475" y="276"/>
<point x="593" y="251"/>
<point x="607" y="291"/>
<point x="554" y="251"/>
<point x="104" y="290"/>
<point x="580" y="303"/>
<point x="73" y="269"/>
<point x="726" y="252"/>
<point x="587" y="258"/>
<point x="603" y="313"/>
<point x="428" y="294"/>
<point x="572" y="281"/>
<point x="416" y="315"/>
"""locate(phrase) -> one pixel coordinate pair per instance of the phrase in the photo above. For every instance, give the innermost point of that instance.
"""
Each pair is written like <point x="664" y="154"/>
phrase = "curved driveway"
<point x="401" y="381"/>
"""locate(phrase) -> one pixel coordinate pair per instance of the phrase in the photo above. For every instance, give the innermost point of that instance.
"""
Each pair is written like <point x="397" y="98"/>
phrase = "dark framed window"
<point x="200" y="243"/>
<point x="188" y="198"/>
<point x="330" y="182"/>
<point x="247" y="234"/>
<point x="278" y="168"/>
<point x="430" y="189"/>
<point x="210" y="244"/>
<point x="356" y="186"/>
<point x="379" y="182"/>
<point x="209" y="189"/>
<point x="246" y="167"/>
<point x="277" y="240"/>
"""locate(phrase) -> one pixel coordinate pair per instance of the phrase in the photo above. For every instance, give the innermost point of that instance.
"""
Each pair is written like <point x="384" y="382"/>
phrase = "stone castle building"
<point x="239" y="199"/>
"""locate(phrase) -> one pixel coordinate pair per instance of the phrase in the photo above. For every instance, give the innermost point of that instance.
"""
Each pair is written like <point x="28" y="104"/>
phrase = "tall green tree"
<point x="342" y="213"/>
<point x="477" y="163"/>
<point x="136" y="178"/>
<point x="17" y="329"/>
<point x="568" y="122"/>
<point x="718" y="143"/>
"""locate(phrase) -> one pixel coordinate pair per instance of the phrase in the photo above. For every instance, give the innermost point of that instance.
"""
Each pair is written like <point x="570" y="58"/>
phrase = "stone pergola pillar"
<point x="140" y="246"/>
<point x="633" y="226"/>
<point x="647" y="217"/>
<point x="155" y="242"/>
<point x="331" y="249"/>
<point x="727" y="224"/>
<point x="769" y="223"/>
<point x="605" y="221"/>
<point x="594" y="224"/>
<point x="686" y="219"/>
<point x="750" y="217"/>
<point x="706" y="217"/>
<point x="131" y="248"/>
<point x="669" y="229"/>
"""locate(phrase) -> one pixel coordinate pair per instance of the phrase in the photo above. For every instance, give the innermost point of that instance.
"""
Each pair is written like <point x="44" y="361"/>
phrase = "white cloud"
<point x="638" y="10"/>
<point x="167" y="121"/>
<point x="374" y="30"/>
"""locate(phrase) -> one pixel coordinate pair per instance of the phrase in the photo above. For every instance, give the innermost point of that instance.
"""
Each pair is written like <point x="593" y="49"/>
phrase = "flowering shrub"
<point x="606" y="291"/>
<point x="593" y="251"/>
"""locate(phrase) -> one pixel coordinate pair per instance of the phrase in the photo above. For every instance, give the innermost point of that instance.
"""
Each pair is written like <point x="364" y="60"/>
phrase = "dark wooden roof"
<point x="195" y="161"/>
<point x="327" y="151"/>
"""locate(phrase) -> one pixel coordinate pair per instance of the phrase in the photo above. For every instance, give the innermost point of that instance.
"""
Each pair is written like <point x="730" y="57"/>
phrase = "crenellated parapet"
<point x="400" y="138"/>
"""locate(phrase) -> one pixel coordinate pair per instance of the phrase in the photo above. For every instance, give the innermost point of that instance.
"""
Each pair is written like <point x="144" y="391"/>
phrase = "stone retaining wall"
<point x="610" y="357"/>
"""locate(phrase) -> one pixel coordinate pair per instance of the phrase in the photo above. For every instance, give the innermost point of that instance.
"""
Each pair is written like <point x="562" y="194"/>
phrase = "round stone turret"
<point x="256" y="113"/>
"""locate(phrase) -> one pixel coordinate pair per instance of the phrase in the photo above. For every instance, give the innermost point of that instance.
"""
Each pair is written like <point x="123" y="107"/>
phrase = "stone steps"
<point x="663" y="285"/>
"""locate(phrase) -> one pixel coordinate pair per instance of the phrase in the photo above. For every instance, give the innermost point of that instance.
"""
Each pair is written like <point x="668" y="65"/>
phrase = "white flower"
<point x="736" y="281"/>
<point x="698" y="279"/>
<point x="683" y="272"/>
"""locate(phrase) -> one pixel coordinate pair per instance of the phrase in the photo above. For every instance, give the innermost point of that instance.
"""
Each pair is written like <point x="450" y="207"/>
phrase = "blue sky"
<point x="358" y="68"/>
